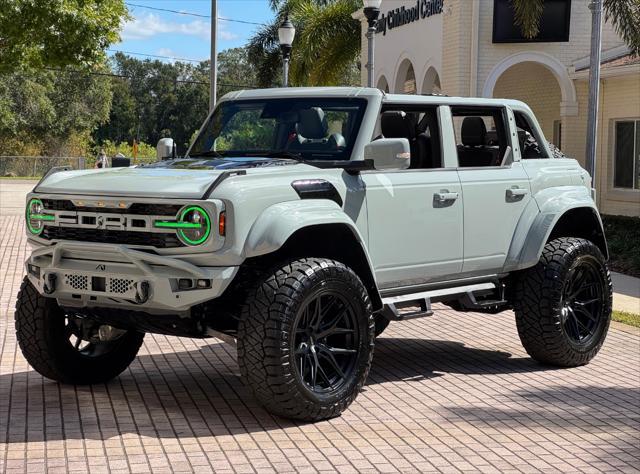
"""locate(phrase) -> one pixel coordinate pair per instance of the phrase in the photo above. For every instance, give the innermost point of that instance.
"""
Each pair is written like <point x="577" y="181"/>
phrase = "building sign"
<point x="404" y="15"/>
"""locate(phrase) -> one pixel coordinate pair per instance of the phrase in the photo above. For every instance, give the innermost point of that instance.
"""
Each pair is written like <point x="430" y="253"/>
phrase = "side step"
<point x="393" y="304"/>
<point x="392" y="310"/>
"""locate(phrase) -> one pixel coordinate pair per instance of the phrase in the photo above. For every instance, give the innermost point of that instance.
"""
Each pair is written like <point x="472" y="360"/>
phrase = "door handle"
<point x="445" y="196"/>
<point x="515" y="193"/>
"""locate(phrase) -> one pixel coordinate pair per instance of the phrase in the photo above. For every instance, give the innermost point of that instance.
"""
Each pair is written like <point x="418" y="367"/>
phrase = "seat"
<point x="312" y="130"/>
<point x="473" y="151"/>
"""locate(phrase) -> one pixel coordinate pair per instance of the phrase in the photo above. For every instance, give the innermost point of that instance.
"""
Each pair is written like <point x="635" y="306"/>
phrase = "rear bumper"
<point x="92" y="274"/>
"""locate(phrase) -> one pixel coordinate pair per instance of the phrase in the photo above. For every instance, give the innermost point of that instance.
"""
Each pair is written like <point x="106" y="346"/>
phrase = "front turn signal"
<point x="222" y="223"/>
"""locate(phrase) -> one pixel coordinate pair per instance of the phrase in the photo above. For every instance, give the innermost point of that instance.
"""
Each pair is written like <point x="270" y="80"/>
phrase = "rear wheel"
<point x="305" y="339"/>
<point x="65" y="346"/>
<point x="563" y="304"/>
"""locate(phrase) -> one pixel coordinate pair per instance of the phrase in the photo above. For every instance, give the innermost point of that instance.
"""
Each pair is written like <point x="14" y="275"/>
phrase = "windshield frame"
<point x="345" y="155"/>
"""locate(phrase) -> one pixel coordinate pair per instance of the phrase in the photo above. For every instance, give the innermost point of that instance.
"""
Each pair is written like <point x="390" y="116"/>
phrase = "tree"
<point x="51" y="112"/>
<point x="326" y="48"/>
<point x="235" y="70"/>
<point x="624" y="14"/>
<point x="153" y="98"/>
<point x="56" y="33"/>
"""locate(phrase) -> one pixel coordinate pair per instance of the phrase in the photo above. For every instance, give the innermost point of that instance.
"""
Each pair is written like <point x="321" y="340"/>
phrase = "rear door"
<point x="495" y="186"/>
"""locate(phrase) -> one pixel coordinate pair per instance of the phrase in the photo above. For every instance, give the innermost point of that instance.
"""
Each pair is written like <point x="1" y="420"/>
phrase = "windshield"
<point x="310" y="129"/>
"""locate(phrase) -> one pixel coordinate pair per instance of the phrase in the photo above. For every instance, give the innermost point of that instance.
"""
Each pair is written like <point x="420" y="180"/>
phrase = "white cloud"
<point x="149" y="25"/>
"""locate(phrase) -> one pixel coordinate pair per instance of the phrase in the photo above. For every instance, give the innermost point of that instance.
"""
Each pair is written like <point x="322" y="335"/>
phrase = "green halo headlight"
<point x="193" y="225"/>
<point x="35" y="216"/>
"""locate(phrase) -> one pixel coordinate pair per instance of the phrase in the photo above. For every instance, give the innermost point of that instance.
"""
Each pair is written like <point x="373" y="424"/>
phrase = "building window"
<point x="554" y="23"/>
<point x="626" y="154"/>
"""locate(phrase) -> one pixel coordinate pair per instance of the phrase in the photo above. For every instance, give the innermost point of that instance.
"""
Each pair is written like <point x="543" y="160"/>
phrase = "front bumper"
<point x="93" y="274"/>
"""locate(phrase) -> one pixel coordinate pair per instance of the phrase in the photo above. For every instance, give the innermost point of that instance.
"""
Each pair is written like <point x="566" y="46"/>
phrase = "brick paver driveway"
<point x="451" y="392"/>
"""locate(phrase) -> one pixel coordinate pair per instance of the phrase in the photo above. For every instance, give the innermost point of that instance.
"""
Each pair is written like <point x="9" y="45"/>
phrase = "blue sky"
<point x="184" y="36"/>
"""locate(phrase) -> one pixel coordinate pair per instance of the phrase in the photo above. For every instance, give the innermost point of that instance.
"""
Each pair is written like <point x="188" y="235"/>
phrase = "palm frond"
<point x="625" y="17"/>
<point x="325" y="48"/>
<point x="527" y="15"/>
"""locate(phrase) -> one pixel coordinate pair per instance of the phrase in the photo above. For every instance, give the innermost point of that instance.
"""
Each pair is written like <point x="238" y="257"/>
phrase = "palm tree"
<point x="327" y="44"/>
<point x="624" y="14"/>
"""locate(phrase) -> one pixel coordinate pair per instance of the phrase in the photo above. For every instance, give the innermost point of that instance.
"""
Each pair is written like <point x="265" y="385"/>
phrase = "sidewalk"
<point x="626" y="293"/>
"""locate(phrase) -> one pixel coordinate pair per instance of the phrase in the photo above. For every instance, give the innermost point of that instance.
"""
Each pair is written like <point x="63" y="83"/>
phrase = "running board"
<point x="393" y="304"/>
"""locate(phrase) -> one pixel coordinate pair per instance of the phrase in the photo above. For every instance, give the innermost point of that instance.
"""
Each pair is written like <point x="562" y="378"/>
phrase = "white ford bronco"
<point x="299" y="223"/>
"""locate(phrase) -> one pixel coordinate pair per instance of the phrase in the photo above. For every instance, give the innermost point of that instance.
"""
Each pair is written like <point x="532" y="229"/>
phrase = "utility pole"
<point x="594" y="88"/>
<point x="213" y="73"/>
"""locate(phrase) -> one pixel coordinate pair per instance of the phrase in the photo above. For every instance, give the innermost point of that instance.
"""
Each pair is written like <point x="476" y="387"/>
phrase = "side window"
<point x="421" y="128"/>
<point x="529" y="140"/>
<point x="481" y="136"/>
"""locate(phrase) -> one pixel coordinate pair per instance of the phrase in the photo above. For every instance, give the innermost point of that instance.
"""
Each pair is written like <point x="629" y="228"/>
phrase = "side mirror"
<point x="389" y="153"/>
<point x="165" y="149"/>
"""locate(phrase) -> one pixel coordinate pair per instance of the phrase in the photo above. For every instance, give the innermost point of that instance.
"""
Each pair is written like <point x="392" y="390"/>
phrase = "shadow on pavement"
<point x="199" y="393"/>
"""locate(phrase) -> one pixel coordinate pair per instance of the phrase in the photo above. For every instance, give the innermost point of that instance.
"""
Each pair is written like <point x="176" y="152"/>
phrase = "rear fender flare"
<point x="540" y="219"/>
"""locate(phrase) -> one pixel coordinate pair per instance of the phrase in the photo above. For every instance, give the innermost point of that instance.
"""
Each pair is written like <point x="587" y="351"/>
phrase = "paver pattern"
<point x="454" y="392"/>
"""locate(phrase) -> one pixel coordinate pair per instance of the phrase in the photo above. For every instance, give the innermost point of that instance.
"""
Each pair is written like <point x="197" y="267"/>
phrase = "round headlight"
<point x="197" y="225"/>
<point x="34" y="217"/>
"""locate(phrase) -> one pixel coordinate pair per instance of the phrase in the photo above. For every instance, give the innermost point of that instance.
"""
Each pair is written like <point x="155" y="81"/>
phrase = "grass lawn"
<point x="626" y="318"/>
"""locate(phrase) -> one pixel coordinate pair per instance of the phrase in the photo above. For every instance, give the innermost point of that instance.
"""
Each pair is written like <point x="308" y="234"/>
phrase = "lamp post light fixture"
<point x="371" y="12"/>
<point x="286" y="33"/>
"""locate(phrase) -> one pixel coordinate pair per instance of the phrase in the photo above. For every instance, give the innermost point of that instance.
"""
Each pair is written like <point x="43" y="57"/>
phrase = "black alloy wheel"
<point x="305" y="338"/>
<point x="563" y="304"/>
<point x="326" y="341"/>
<point x="582" y="301"/>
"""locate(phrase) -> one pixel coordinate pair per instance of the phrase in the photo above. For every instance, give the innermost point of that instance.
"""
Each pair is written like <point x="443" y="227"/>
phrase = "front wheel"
<point x="563" y="304"/>
<point x="305" y="339"/>
<point x="67" y="347"/>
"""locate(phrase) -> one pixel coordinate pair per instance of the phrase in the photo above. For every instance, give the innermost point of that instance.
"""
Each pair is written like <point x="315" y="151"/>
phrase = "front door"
<point x="415" y="225"/>
<point x="415" y="215"/>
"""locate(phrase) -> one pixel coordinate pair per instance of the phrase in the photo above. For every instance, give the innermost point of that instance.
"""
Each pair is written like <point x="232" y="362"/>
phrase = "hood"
<point x="186" y="179"/>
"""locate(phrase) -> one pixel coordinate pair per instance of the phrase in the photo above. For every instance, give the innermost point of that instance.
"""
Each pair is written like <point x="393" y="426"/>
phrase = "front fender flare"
<point x="278" y="222"/>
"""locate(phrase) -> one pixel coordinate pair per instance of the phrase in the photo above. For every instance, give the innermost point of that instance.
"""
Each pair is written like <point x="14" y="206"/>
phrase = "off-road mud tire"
<point x="265" y="353"/>
<point x="538" y="304"/>
<point x="39" y="324"/>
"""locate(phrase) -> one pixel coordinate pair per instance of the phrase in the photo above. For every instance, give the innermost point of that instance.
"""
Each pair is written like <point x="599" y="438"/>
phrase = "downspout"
<point x="473" y="64"/>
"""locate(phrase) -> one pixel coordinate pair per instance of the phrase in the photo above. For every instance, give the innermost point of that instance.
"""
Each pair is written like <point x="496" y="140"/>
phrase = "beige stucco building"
<point x="471" y="48"/>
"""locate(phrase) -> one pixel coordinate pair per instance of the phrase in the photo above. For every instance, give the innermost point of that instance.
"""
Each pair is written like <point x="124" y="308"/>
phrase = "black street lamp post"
<point x="371" y="12"/>
<point x="286" y="33"/>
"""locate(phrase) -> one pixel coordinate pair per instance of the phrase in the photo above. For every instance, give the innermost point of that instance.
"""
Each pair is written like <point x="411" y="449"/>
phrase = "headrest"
<point x="397" y="124"/>
<point x="474" y="131"/>
<point x="312" y="123"/>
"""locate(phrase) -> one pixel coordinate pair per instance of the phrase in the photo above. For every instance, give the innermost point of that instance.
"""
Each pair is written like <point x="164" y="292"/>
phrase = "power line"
<point x="179" y="12"/>
<point x="124" y="76"/>
<point x="156" y="56"/>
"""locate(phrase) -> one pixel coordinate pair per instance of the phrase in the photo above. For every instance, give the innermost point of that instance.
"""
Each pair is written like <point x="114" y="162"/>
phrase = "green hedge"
<point x="623" y="238"/>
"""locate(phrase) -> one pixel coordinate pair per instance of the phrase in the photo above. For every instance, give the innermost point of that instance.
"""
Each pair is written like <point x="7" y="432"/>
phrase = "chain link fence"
<point x="37" y="166"/>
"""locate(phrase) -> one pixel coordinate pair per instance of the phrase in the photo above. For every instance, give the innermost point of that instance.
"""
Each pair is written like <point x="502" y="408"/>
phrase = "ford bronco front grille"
<point x="135" y="208"/>
<point x="112" y="236"/>
<point x="112" y="222"/>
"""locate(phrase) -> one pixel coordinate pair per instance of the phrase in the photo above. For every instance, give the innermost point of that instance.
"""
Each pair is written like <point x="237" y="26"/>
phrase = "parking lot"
<point x="452" y="392"/>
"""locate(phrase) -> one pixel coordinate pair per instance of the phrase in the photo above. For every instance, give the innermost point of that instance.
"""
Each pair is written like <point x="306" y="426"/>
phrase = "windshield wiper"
<point x="283" y="154"/>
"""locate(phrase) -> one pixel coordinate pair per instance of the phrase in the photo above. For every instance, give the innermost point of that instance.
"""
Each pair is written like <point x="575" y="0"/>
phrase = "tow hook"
<point x="142" y="291"/>
<point x="49" y="283"/>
